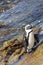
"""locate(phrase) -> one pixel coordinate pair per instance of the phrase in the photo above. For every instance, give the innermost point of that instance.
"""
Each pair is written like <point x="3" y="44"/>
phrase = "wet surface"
<point x="20" y="13"/>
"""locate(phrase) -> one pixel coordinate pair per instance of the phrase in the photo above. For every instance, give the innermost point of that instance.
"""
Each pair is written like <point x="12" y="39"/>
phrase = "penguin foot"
<point x="29" y="50"/>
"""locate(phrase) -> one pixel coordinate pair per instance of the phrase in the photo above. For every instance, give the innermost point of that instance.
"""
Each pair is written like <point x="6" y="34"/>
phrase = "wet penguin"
<point x="29" y="38"/>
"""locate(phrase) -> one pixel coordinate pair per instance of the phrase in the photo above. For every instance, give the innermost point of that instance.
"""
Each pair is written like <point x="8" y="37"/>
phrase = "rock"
<point x="13" y="59"/>
<point x="35" y="58"/>
<point x="2" y="25"/>
<point x="2" y="63"/>
<point x="39" y="51"/>
<point x="4" y="53"/>
<point x="16" y="55"/>
<point x="36" y="30"/>
<point x="0" y="58"/>
<point x="22" y="51"/>
<point x="16" y="40"/>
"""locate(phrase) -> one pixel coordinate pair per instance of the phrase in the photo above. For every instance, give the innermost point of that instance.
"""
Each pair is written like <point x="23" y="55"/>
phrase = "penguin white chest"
<point x="31" y="40"/>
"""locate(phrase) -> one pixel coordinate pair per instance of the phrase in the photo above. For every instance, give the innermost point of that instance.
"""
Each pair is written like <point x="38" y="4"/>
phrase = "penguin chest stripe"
<point x="31" y="40"/>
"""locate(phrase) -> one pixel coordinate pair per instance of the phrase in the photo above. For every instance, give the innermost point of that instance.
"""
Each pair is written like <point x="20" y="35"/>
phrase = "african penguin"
<point x="29" y="38"/>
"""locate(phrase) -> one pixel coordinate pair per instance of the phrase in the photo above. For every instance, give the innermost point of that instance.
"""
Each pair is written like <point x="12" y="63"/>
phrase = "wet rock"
<point x="2" y="25"/>
<point x="35" y="58"/>
<point x="0" y="57"/>
<point x="13" y="59"/>
<point x="13" y="49"/>
<point x="15" y="40"/>
<point x="4" y="53"/>
<point x="2" y="63"/>
<point x="6" y="32"/>
<point x="16" y="55"/>
<point x="39" y="51"/>
<point x="36" y="30"/>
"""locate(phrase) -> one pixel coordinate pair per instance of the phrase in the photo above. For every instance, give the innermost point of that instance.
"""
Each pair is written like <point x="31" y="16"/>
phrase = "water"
<point x="24" y="12"/>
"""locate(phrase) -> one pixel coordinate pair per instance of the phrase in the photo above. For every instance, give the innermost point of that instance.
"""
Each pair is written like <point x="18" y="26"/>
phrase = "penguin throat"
<point x="28" y="32"/>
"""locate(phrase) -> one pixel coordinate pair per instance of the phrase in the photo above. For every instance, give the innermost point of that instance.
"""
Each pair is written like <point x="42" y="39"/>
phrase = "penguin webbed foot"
<point x="29" y="50"/>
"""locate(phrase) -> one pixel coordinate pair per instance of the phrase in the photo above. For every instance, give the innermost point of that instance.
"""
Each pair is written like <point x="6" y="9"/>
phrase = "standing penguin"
<point x="30" y="38"/>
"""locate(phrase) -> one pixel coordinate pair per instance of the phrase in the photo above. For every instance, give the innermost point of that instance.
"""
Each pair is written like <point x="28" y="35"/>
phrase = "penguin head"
<point x="28" y="28"/>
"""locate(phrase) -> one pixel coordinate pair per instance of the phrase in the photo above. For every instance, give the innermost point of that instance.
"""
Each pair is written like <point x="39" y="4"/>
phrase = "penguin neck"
<point x="28" y="32"/>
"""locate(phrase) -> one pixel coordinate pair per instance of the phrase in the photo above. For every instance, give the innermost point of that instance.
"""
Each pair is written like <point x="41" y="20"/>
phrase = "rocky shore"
<point x="13" y="49"/>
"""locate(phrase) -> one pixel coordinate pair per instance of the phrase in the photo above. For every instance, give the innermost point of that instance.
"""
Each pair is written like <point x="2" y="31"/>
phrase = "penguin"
<point x="29" y="38"/>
